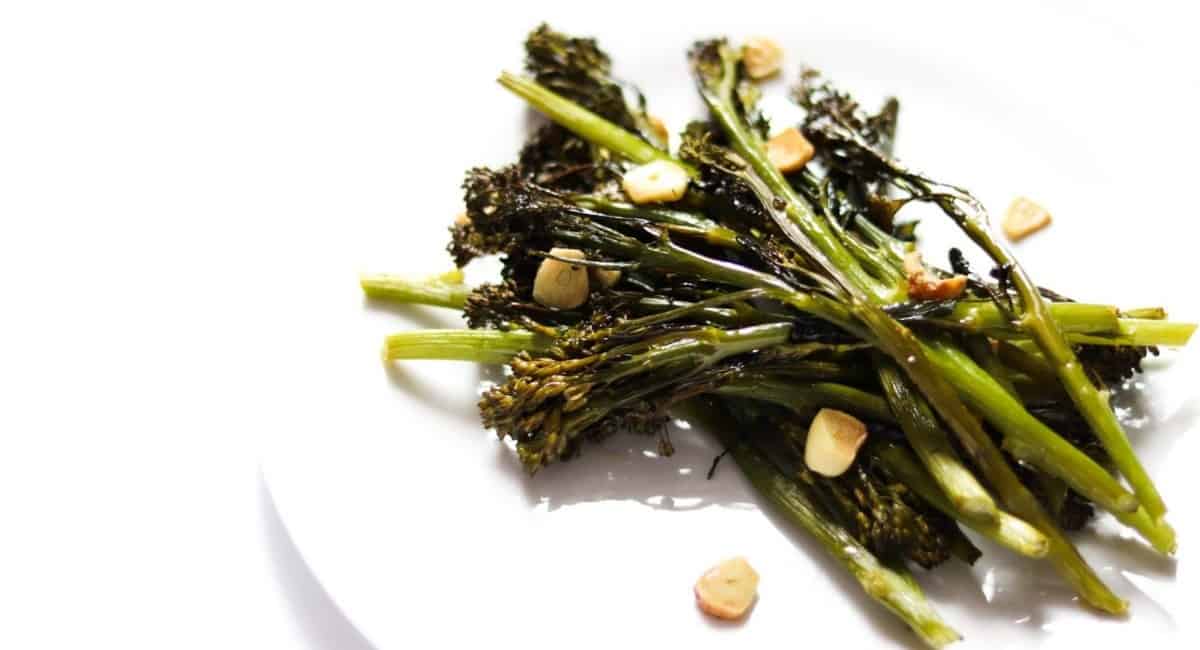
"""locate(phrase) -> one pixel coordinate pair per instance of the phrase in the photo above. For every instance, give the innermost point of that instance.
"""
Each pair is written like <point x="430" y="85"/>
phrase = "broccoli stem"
<point x="980" y="350"/>
<point x="1082" y="323"/>
<point x="1054" y="493"/>
<point x="1150" y="313"/>
<point x="1008" y="415"/>
<point x="480" y="346"/>
<point x="1141" y="331"/>
<point x="890" y="589"/>
<point x="1158" y="532"/>
<point x="1030" y="364"/>
<point x="1017" y="499"/>
<point x="1037" y="319"/>
<point x="585" y="123"/>
<point x="445" y="290"/>
<point x="933" y="446"/>
<point x="1031" y="441"/>
<point x="725" y="317"/>
<point x="1010" y="532"/>
<point x="667" y="256"/>
<point x="874" y="260"/>
<point x="984" y="317"/>
<point x="703" y="347"/>
<point x="675" y="220"/>
<point x="807" y="398"/>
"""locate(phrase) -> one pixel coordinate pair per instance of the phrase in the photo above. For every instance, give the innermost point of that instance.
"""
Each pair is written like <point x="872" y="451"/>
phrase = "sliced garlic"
<point x="658" y="181"/>
<point x="660" y="128"/>
<point x="728" y="589"/>
<point x="762" y="57"/>
<point x="604" y="278"/>
<point x="937" y="288"/>
<point x="833" y="441"/>
<point x="561" y="285"/>
<point x="923" y="285"/>
<point x="789" y="150"/>
<point x="913" y="264"/>
<point x="1023" y="218"/>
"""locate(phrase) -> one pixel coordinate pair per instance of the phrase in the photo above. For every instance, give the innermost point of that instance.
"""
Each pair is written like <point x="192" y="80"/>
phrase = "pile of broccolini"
<point x="758" y="298"/>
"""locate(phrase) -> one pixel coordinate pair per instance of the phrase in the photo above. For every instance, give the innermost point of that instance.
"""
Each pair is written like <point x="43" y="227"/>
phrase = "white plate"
<point x="422" y="527"/>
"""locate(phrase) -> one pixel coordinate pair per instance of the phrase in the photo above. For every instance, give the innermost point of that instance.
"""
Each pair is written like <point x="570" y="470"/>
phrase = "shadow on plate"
<point x="421" y="316"/>
<point x="627" y="467"/>
<point x="321" y="622"/>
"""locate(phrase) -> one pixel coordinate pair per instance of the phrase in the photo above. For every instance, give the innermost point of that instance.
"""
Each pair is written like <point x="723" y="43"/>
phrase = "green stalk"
<point x="703" y="347"/>
<point x="685" y="222"/>
<point x="1159" y="533"/>
<point x="1050" y="451"/>
<point x="1052" y="488"/>
<point x="446" y="290"/>
<point x="895" y="249"/>
<point x="667" y="256"/>
<point x="892" y="590"/>
<point x="804" y="370"/>
<point x="1150" y="313"/>
<point x="585" y="123"/>
<point x="1004" y="529"/>
<point x="736" y="316"/>
<point x="1026" y="362"/>
<point x="1054" y="493"/>
<point x="480" y="346"/>
<point x="933" y="447"/>
<point x="1037" y="320"/>
<point x="875" y="260"/>
<point x="980" y="349"/>
<point x="1143" y="331"/>
<point x="807" y="398"/>
<point x="443" y="291"/>
<point x="1017" y="499"/>
<point x="1133" y="332"/>
<point x="1031" y="441"/>
<point x="984" y="317"/>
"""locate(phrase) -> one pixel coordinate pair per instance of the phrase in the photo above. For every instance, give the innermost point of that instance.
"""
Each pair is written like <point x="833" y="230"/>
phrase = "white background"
<point x="166" y="171"/>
